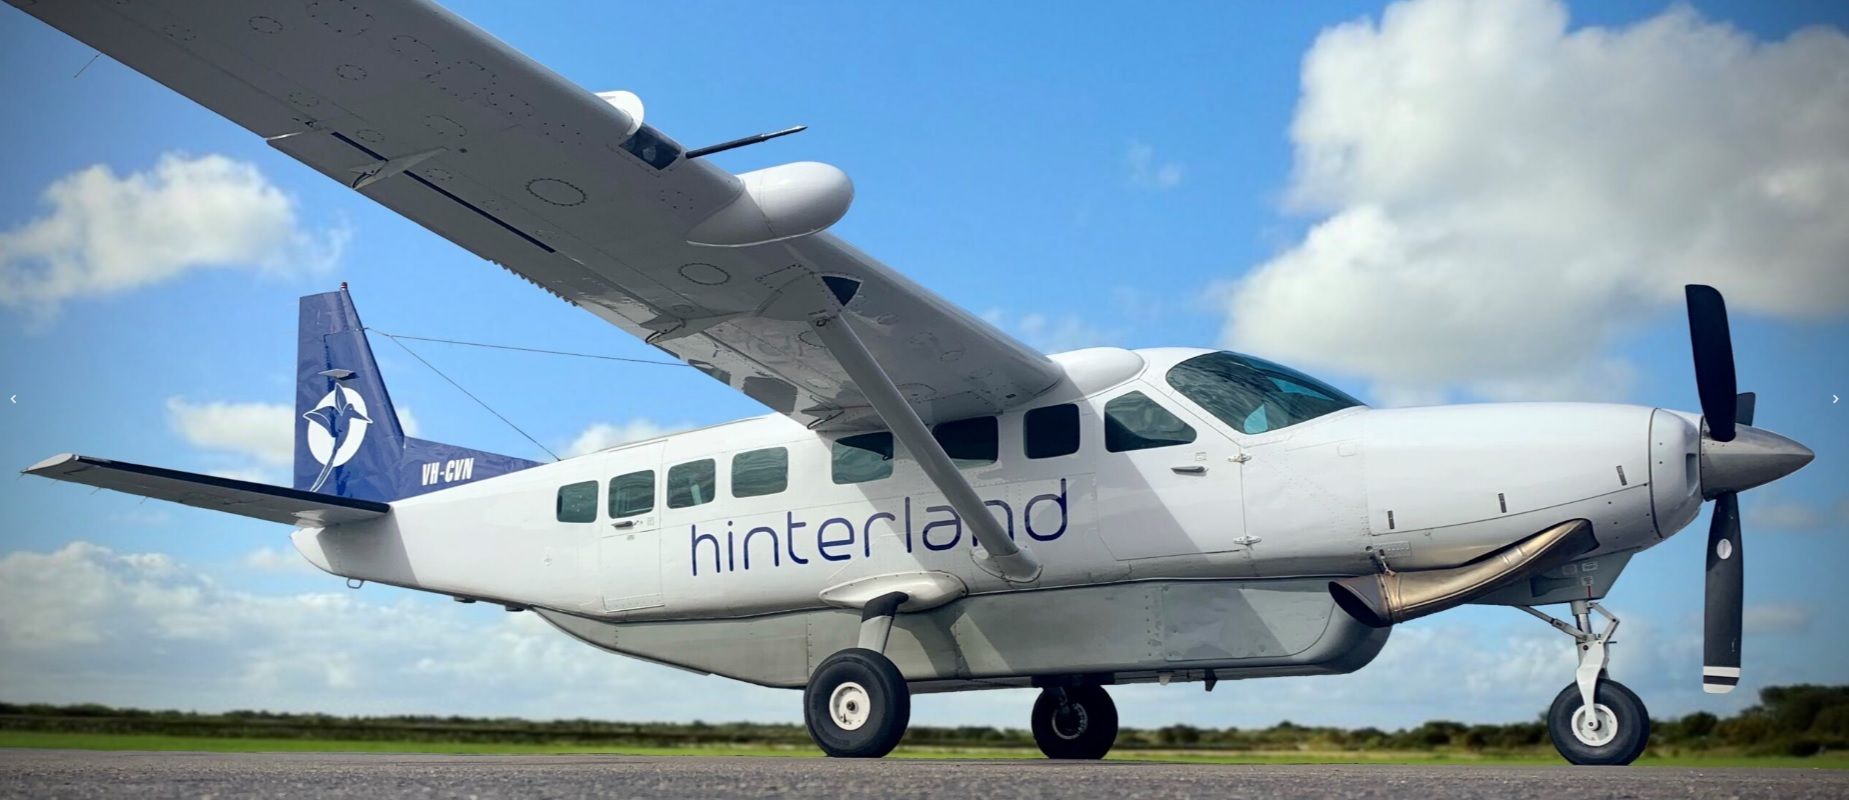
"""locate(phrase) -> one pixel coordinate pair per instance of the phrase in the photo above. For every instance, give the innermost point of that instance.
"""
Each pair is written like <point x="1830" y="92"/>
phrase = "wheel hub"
<point x="1070" y="721"/>
<point x="849" y="706"/>
<point x="1595" y="729"/>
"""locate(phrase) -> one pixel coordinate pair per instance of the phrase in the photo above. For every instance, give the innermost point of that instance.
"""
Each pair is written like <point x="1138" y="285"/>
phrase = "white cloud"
<point x="1053" y="334"/>
<point x="143" y="517"/>
<point x="1777" y="618"/>
<point x="108" y="233"/>
<point x="407" y="422"/>
<point x="605" y="435"/>
<point x="273" y="477"/>
<point x="277" y="559"/>
<point x="1784" y="515"/>
<point x="1501" y="197"/>
<point x="1775" y="512"/>
<point x="262" y="431"/>
<point x="1401" y="396"/>
<point x="87" y="623"/>
<point x="1148" y="173"/>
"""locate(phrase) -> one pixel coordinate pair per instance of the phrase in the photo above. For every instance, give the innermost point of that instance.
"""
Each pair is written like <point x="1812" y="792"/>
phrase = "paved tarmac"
<point x="91" y="774"/>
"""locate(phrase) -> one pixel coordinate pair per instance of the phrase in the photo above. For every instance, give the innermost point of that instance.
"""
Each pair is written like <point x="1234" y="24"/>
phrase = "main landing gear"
<point x="1077" y="722"/>
<point x="1595" y="720"/>
<point x="857" y="704"/>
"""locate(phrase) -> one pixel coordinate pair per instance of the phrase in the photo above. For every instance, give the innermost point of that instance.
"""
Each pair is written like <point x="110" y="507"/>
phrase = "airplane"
<point x="930" y="505"/>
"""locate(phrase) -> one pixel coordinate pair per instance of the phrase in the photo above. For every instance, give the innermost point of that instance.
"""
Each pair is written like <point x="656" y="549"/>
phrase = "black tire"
<point x="1622" y="747"/>
<point x="846" y="680"/>
<point x="1077" y="722"/>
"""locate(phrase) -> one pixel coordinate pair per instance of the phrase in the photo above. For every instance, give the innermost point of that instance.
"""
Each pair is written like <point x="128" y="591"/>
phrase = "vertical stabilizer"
<point x="349" y="441"/>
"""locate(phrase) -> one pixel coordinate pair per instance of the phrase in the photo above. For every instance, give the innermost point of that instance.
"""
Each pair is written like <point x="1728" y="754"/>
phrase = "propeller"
<point x="1713" y="346"/>
<point x="1735" y="456"/>
<point x="1723" y="409"/>
<point x="1721" y="622"/>
<point x="1720" y="643"/>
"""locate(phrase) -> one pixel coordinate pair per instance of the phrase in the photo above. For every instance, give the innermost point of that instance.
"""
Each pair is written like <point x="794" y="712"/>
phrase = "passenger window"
<point x="632" y="494"/>
<point x="760" y="472"/>
<point x="690" y="484"/>
<point x="969" y="442"/>
<point x="578" y="502"/>
<point x="1051" y="431"/>
<point x="1135" y="422"/>
<point x="862" y="458"/>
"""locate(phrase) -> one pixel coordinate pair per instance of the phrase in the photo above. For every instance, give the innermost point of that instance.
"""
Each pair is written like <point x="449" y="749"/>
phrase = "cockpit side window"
<point x="1135" y="422"/>
<point x="1254" y="395"/>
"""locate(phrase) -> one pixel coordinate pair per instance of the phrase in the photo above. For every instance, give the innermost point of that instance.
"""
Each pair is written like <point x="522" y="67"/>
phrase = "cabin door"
<point x="629" y="547"/>
<point x="1168" y="483"/>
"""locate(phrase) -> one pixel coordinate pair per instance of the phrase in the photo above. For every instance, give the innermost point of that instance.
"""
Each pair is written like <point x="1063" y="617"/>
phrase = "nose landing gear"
<point x="1595" y="720"/>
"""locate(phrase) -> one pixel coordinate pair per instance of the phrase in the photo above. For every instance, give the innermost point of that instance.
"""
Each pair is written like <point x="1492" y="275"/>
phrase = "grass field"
<point x="104" y="741"/>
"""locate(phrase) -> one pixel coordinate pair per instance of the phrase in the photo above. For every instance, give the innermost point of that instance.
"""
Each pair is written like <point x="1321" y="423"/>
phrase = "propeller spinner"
<point x="1735" y="456"/>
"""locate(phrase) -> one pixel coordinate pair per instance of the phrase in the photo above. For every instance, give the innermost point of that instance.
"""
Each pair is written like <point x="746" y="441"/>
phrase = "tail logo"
<point x="336" y="429"/>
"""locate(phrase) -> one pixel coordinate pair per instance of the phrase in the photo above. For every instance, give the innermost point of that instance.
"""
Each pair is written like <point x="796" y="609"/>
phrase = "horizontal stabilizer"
<point x="256" y="500"/>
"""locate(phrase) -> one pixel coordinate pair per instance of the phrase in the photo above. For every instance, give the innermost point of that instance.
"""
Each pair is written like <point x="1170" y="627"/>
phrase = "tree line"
<point x="1788" y="720"/>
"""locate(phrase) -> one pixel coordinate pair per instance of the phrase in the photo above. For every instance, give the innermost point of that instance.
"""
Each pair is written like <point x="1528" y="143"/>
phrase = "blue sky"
<point x="1243" y="175"/>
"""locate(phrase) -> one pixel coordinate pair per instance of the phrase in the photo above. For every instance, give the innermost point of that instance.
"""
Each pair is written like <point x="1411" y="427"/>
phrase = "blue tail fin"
<point x="349" y="441"/>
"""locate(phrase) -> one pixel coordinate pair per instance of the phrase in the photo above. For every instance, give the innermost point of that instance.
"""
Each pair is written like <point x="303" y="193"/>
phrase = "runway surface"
<point x="89" y="774"/>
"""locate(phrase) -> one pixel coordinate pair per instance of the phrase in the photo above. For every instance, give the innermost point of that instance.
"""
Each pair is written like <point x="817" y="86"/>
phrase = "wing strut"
<point x="997" y="554"/>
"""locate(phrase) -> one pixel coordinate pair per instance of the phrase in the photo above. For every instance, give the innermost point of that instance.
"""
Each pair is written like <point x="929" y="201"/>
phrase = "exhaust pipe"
<point x="1390" y="597"/>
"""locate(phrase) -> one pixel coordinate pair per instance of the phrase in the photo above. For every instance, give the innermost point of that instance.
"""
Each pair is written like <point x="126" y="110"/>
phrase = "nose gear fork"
<point x="1593" y="656"/>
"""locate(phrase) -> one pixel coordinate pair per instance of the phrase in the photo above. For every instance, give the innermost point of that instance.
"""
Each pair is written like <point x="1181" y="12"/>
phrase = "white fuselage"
<point x="1416" y="488"/>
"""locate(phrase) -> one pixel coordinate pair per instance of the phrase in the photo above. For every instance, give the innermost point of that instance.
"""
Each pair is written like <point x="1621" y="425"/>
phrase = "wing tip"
<point x="50" y="464"/>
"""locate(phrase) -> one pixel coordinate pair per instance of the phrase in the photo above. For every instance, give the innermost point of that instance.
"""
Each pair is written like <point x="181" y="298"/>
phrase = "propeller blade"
<point x="1713" y="347"/>
<point x="1720" y="670"/>
<point x="1745" y="401"/>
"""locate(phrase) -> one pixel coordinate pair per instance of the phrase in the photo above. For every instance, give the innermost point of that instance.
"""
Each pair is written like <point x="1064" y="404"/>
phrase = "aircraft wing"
<point x="430" y="116"/>
<point x="257" y="500"/>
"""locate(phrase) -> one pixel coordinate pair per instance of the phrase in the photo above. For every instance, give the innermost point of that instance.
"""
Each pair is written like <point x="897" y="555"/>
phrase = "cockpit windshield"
<point x="1254" y="395"/>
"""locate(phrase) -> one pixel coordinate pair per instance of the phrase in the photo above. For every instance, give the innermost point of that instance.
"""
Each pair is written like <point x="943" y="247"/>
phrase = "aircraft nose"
<point x="1755" y="457"/>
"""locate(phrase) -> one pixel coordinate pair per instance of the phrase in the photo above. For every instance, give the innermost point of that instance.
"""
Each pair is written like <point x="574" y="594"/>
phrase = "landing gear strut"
<point x="1075" y="722"/>
<point x="1595" y="720"/>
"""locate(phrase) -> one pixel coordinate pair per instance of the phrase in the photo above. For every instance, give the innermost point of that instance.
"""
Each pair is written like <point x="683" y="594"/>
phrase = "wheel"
<point x="857" y="704"/>
<point x="1615" y="737"/>
<point x="1075" y="722"/>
